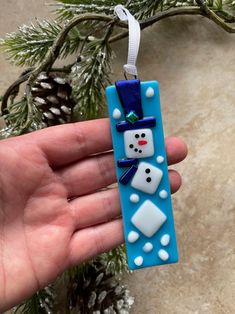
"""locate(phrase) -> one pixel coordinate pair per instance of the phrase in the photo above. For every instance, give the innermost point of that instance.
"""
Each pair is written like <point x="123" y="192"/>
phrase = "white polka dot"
<point x="147" y="247"/>
<point x="133" y="236"/>
<point x="160" y="159"/>
<point x="163" y="255"/>
<point x="149" y="92"/>
<point x="163" y="194"/>
<point x="116" y="113"/>
<point x="165" y="239"/>
<point x="134" y="198"/>
<point x="138" y="261"/>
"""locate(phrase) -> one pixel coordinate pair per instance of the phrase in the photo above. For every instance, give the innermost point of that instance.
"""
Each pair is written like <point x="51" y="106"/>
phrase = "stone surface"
<point x="194" y="62"/>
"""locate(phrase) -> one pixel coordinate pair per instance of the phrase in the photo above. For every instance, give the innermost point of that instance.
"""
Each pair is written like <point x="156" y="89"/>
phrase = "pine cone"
<point x="100" y="292"/>
<point x="52" y="95"/>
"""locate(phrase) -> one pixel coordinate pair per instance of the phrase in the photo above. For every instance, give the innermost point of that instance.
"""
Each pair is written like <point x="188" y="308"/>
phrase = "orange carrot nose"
<point x="142" y="142"/>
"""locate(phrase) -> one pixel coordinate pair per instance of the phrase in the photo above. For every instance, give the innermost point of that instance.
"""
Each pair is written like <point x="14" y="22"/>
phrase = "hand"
<point x="51" y="213"/>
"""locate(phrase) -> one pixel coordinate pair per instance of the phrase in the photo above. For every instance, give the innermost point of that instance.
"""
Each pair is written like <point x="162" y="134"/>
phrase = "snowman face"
<point x="147" y="178"/>
<point x="138" y="143"/>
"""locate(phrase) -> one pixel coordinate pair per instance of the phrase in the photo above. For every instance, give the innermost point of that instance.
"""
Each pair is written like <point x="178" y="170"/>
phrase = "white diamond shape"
<point x="148" y="218"/>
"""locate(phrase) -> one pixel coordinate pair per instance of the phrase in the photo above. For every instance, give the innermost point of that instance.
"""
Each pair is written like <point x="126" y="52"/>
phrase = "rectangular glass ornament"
<point x="142" y="173"/>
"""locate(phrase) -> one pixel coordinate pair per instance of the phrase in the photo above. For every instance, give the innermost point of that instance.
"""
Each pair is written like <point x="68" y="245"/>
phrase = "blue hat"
<point x="129" y="93"/>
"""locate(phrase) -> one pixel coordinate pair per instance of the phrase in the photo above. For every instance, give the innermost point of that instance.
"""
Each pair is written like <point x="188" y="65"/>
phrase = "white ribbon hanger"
<point x="134" y="38"/>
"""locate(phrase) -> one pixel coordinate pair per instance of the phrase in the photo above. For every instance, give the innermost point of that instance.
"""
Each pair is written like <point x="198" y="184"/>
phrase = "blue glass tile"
<point x="129" y="94"/>
<point x="128" y="175"/>
<point x="122" y="163"/>
<point x="148" y="122"/>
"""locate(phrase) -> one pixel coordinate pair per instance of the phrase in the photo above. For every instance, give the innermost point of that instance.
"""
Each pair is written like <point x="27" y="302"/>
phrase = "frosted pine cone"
<point x="52" y="95"/>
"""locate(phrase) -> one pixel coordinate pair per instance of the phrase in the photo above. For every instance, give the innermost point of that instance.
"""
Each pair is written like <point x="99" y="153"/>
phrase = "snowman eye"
<point x="137" y="136"/>
<point x="143" y="135"/>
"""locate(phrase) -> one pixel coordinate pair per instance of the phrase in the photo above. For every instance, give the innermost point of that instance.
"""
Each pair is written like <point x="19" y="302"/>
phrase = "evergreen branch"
<point x="59" y="41"/>
<point x="16" y="117"/>
<point x="61" y="38"/>
<point x="29" y="45"/>
<point x="179" y="11"/>
<point x="41" y="302"/>
<point x="210" y="14"/>
<point x="69" y="9"/>
<point x="11" y="90"/>
<point x="141" y="9"/>
<point x="55" y="49"/>
<point x="91" y="76"/>
<point x="226" y="16"/>
<point x="115" y="260"/>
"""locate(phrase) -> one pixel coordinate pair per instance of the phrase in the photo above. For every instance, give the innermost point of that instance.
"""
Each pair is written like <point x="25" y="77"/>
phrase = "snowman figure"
<point x="138" y="141"/>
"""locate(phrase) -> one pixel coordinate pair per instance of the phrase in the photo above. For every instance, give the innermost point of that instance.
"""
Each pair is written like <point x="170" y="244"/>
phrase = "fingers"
<point x="89" y="175"/>
<point x="98" y="171"/>
<point x="104" y="206"/>
<point x="175" y="180"/>
<point x="89" y="242"/>
<point x="96" y="208"/>
<point x="68" y="143"/>
<point x="176" y="150"/>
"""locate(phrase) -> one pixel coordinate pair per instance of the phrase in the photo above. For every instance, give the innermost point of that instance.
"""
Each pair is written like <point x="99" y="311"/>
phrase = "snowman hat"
<point x="129" y="92"/>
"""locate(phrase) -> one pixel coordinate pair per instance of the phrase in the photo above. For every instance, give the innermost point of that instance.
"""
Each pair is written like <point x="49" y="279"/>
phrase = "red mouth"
<point x="142" y="142"/>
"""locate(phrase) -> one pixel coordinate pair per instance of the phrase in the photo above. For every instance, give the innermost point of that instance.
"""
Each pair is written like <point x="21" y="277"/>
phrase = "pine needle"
<point x="30" y="43"/>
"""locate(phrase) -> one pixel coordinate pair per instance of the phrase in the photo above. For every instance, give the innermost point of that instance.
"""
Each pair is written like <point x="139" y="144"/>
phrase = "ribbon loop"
<point x="134" y="38"/>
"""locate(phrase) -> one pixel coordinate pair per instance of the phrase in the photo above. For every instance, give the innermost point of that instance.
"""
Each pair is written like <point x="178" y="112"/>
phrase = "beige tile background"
<point x="194" y="62"/>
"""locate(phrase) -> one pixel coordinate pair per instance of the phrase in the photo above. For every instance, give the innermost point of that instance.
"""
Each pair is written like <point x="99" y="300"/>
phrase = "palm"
<point x="51" y="215"/>
<point x="37" y="220"/>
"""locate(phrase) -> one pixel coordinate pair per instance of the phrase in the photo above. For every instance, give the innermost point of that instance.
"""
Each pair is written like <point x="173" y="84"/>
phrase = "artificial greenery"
<point x="30" y="43"/>
<point x="84" y="30"/>
<point x="40" y="303"/>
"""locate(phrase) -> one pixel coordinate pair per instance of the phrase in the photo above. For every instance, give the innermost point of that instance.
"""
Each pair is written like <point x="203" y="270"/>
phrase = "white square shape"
<point x="148" y="218"/>
<point x="147" y="178"/>
<point x="138" y="143"/>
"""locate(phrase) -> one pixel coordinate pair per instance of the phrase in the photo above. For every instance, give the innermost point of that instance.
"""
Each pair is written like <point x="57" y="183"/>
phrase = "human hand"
<point x="51" y="213"/>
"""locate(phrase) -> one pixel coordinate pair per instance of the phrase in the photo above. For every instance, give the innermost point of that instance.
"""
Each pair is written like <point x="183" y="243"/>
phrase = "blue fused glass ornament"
<point x="142" y="173"/>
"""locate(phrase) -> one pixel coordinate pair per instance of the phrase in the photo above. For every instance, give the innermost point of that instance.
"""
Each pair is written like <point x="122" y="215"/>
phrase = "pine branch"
<point x="115" y="260"/>
<point x="90" y="77"/>
<point x="29" y="45"/>
<point x="142" y="9"/>
<point x="57" y="49"/>
<point x="17" y="116"/>
<point x="41" y="302"/>
<point x="180" y="11"/>
<point x="67" y="9"/>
